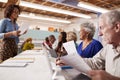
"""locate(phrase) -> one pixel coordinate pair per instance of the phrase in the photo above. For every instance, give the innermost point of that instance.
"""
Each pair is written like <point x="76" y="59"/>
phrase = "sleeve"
<point x="98" y="61"/>
<point x="25" y="46"/>
<point x="2" y="28"/>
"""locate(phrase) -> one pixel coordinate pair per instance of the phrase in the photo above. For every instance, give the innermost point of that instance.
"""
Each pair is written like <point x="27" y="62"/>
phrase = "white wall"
<point x="76" y="24"/>
<point x="43" y="25"/>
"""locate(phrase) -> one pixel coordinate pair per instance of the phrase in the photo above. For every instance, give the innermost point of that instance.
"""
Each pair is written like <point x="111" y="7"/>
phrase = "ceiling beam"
<point x="13" y="2"/>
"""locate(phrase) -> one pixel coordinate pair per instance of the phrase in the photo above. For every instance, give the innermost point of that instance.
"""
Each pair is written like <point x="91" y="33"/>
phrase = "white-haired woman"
<point x="89" y="46"/>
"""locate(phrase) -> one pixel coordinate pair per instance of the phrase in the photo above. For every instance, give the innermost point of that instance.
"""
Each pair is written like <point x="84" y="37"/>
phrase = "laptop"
<point x="53" y="53"/>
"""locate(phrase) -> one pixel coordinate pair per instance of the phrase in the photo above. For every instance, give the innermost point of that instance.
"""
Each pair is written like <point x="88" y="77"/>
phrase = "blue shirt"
<point x="6" y="26"/>
<point x="94" y="47"/>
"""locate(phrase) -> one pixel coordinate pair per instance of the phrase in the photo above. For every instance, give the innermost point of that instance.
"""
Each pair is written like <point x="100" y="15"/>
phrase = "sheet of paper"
<point x="70" y="47"/>
<point x="13" y="64"/>
<point x="76" y="62"/>
<point x="32" y="52"/>
<point x="73" y="59"/>
<point x="19" y="60"/>
<point x="24" y="27"/>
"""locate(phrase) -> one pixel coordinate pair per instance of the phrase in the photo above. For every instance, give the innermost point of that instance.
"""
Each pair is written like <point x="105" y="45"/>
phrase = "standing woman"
<point x="9" y="32"/>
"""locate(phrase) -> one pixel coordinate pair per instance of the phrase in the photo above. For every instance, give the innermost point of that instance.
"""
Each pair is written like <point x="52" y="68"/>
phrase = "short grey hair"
<point x="89" y="27"/>
<point x="111" y="17"/>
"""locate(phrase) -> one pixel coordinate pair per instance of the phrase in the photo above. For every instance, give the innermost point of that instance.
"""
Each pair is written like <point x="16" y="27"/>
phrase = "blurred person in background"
<point x="72" y="36"/>
<point x="60" y="49"/>
<point x="27" y="44"/>
<point x="53" y="41"/>
<point x="47" y="44"/>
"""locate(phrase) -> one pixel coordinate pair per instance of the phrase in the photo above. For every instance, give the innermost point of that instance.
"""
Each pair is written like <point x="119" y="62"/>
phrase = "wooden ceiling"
<point x="108" y="4"/>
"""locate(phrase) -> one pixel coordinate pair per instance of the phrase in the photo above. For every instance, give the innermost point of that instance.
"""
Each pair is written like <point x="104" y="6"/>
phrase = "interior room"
<point x="54" y="16"/>
<point x="42" y="18"/>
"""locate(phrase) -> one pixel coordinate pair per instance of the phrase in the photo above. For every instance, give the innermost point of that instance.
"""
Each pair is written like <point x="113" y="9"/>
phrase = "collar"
<point x="8" y="19"/>
<point x="117" y="48"/>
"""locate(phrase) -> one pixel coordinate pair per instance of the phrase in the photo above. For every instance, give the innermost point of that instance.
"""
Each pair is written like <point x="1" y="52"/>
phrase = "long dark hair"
<point x="9" y="10"/>
<point x="61" y="42"/>
<point x="63" y="37"/>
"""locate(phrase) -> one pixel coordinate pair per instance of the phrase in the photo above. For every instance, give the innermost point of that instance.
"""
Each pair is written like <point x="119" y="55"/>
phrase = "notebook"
<point x="20" y="60"/>
<point x="54" y="69"/>
<point x="48" y="60"/>
<point x="53" y="53"/>
<point x="13" y="64"/>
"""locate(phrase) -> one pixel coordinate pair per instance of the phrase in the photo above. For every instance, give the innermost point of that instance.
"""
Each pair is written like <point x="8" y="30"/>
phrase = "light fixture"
<point x="4" y="1"/>
<point x="51" y="9"/>
<point x="44" y="18"/>
<point x="92" y="7"/>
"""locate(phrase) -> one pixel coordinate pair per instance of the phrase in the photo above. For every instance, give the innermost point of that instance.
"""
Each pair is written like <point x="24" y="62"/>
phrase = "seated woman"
<point x="47" y="44"/>
<point x="72" y="36"/>
<point x="27" y="44"/>
<point x="89" y="46"/>
<point x="60" y="49"/>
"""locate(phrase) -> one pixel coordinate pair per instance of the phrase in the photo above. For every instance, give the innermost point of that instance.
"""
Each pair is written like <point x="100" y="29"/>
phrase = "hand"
<point x="59" y="62"/>
<point x="101" y="75"/>
<point x="15" y="33"/>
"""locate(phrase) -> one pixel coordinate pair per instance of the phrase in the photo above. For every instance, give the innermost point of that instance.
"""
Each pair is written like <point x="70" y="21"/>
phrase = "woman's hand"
<point x="60" y="62"/>
<point x="15" y="33"/>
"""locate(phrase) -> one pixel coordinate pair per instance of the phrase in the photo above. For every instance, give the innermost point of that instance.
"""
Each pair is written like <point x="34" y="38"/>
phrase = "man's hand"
<point x="101" y="75"/>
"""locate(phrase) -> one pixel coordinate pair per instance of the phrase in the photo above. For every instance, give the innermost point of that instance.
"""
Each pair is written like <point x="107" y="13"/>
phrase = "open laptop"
<point x="53" y="53"/>
<point x="53" y="68"/>
<point x="48" y="60"/>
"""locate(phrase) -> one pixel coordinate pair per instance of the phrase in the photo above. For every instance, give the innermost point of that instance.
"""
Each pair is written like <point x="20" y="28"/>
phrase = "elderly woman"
<point x="89" y="46"/>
